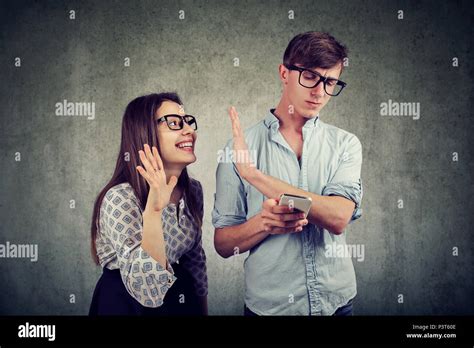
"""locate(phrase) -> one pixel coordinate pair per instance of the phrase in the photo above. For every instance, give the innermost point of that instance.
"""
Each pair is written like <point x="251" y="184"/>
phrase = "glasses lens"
<point x="191" y="120"/>
<point x="174" y="122"/>
<point x="308" y="79"/>
<point x="332" y="87"/>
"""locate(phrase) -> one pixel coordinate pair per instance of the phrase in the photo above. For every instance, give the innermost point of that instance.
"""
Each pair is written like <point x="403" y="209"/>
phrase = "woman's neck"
<point x="176" y="171"/>
<point x="176" y="194"/>
<point x="178" y="190"/>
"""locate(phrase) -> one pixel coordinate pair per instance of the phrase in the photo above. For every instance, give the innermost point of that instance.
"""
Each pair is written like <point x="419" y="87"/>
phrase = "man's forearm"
<point x="330" y="212"/>
<point x="243" y="236"/>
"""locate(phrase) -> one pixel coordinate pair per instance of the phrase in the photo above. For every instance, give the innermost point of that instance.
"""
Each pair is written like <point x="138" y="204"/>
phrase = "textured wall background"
<point x="408" y="250"/>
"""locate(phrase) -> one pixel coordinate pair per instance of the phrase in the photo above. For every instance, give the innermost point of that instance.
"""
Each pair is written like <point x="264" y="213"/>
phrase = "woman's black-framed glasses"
<point x="176" y="122"/>
<point x="310" y="79"/>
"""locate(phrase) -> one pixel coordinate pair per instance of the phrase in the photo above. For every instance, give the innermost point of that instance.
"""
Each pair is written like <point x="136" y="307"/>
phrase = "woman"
<point x="146" y="224"/>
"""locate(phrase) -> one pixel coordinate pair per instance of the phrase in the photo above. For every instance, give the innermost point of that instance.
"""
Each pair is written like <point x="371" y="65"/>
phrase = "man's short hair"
<point x="314" y="49"/>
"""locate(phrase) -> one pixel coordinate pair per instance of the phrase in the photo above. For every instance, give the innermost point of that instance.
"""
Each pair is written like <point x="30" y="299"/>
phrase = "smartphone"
<point x="300" y="203"/>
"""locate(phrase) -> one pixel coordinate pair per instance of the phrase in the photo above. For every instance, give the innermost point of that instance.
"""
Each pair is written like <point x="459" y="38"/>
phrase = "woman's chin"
<point x="191" y="158"/>
<point x="191" y="162"/>
<point x="180" y="159"/>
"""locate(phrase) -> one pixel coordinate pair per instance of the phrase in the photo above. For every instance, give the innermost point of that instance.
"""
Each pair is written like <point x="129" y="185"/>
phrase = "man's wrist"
<point x="260" y="224"/>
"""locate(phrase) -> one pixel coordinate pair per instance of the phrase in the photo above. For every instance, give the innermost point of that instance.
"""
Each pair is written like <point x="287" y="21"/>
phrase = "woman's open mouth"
<point x="187" y="146"/>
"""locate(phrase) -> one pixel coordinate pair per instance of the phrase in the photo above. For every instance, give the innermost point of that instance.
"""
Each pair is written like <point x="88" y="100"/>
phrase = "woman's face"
<point x="176" y="146"/>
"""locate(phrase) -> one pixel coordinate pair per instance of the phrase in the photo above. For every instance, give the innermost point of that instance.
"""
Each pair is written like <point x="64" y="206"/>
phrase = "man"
<point x="287" y="271"/>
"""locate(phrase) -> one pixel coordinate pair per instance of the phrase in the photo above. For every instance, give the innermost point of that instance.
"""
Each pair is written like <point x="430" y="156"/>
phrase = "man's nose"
<point x="318" y="90"/>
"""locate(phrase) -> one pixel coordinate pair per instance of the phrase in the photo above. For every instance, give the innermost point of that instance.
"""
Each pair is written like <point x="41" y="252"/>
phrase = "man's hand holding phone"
<point x="281" y="219"/>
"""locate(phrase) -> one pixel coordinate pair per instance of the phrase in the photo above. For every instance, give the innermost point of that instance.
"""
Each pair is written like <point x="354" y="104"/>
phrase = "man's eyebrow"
<point x="328" y="77"/>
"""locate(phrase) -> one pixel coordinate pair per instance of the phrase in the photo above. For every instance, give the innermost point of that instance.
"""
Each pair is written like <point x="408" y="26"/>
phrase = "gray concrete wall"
<point x="408" y="250"/>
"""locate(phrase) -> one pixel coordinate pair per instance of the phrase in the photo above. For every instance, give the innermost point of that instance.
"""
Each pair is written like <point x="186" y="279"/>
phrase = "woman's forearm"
<point x="153" y="241"/>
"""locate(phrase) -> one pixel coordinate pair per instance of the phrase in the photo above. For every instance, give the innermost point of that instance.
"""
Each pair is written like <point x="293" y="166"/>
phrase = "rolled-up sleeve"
<point x="144" y="278"/>
<point x="230" y="201"/>
<point x="347" y="182"/>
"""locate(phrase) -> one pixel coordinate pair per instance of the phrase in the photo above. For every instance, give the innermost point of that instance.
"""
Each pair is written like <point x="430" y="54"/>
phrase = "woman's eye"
<point x="172" y="123"/>
<point x="331" y="82"/>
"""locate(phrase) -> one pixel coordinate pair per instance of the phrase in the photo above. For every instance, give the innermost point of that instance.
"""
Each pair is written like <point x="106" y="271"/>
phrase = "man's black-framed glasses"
<point x="176" y="122"/>
<point x="310" y="79"/>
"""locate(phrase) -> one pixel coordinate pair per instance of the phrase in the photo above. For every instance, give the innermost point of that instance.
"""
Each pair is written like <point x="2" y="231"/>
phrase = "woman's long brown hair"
<point x="138" y="129"/>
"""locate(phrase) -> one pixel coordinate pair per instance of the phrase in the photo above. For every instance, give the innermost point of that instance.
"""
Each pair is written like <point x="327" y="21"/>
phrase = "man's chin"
<point x="310" y="113"/>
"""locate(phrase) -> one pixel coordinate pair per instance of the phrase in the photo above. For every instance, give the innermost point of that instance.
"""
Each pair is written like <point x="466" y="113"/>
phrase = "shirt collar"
<point x="181" y="203"/>
<point x="271" y="121"/>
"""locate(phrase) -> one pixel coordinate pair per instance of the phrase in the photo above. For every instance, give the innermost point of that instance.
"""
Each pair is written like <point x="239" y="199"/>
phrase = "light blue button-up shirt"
<point x="290" y="274"/>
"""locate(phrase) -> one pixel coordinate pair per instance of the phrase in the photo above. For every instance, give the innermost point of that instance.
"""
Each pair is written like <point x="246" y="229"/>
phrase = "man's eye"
<point x="309" y="76"/>
<point x="331" y="82"/>
<point x="172" y="123"/>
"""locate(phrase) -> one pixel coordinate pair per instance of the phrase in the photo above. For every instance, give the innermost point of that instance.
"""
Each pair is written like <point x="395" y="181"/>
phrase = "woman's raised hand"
<point x="154" y="173"/>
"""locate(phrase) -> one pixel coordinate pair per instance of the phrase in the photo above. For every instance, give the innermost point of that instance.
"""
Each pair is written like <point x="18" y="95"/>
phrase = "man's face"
<point x="303" y="101"/>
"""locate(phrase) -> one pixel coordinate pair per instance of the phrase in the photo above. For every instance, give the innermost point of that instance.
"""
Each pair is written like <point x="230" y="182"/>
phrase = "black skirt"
<point x="112" y="298"/>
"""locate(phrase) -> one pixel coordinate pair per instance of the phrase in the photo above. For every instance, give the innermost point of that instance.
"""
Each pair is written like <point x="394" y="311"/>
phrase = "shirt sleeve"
<point x="144" y="278"/>
<point x="347" y="181"/>
<point x="195" y="259"/>
<point x="230" y="201"/>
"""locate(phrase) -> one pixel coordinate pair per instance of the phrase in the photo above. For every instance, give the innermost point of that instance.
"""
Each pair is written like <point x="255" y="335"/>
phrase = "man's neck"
<point x="289" y="121"/>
